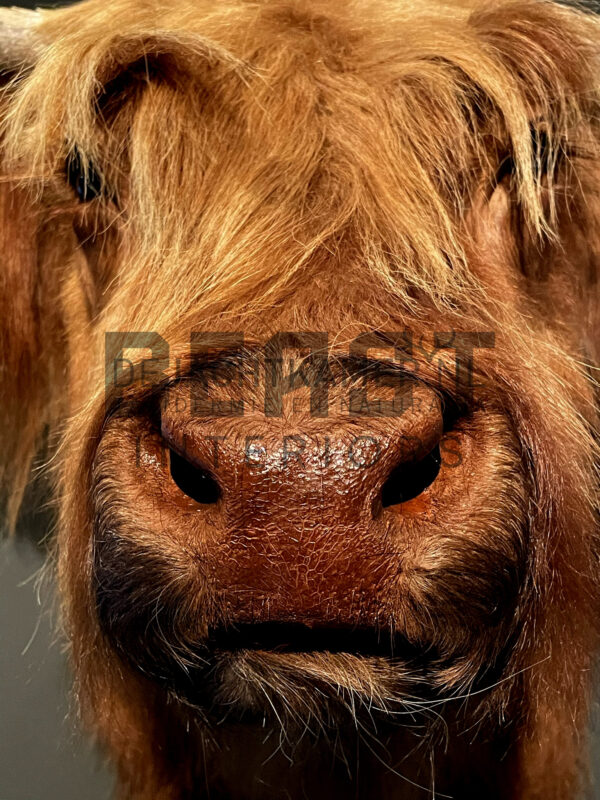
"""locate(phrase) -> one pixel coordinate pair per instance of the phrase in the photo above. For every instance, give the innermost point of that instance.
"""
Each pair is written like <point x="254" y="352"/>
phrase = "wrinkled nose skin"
<point x="300" y="533"/>
<point x="305" y="537"/>
<point x="302" y="529"/>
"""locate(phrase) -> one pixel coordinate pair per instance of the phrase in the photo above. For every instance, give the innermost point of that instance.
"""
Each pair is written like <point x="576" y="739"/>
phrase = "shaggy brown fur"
<point x="310" y="165"/>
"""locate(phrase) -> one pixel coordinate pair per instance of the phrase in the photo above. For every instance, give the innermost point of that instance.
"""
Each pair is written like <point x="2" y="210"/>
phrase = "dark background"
<point x="43" y="753"/>
<point x="33" y="4"/>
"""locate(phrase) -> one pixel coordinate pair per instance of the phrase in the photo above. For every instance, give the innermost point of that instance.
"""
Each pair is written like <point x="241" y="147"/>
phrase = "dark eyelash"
<point x="83" y="178"/>
<point x="545" y="158"/>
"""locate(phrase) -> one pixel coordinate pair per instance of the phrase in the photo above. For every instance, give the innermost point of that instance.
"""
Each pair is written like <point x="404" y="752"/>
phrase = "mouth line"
<point x="279" y="637"/>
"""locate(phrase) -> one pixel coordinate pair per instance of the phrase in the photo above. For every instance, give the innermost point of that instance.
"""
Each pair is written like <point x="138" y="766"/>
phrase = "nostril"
<point x="409" y="480"/>
<point x="193" y="481"/>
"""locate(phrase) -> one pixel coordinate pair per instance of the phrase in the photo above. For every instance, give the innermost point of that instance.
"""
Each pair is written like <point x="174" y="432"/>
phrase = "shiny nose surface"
<point x="305" y="536"/>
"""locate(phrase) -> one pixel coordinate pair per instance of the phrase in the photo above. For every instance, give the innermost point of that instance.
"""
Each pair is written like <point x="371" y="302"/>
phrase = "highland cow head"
<point x="313" y="292"/>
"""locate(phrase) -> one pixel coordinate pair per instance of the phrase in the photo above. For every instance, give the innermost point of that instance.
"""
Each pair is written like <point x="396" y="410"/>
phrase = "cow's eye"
<point x="84" y="178"/>
<point x="411" y="479"/>
<point x="193" y="481"/>
<point x="544" y="157"/>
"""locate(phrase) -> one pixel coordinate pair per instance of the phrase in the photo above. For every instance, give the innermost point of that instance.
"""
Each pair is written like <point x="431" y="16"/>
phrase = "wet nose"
<point x="304" y="535"/>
